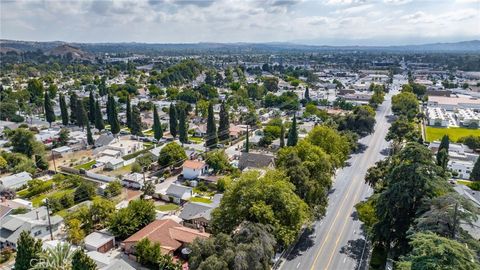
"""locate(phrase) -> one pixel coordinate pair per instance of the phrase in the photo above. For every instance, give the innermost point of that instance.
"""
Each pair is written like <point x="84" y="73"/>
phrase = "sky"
<point x="319" y="22"/>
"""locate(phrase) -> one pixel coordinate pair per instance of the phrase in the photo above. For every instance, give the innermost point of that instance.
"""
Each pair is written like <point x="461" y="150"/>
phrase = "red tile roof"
<point x="193" y="164"/>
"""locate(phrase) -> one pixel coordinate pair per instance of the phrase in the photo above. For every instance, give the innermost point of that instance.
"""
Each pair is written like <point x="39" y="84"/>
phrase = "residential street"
<point x="337" y="241"/>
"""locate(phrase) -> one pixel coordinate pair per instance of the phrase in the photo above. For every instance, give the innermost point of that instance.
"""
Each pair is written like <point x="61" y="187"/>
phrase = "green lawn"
<point x="196" y="140"/>
<point x="167" y="207"/>
<point x="86" y="166"/>
<point x="454" y="133"/>
<point x="37" y="200"/>
<point x="200" y="200"/>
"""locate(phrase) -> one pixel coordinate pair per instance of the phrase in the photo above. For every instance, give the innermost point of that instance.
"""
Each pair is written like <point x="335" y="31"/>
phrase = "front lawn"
<point x="200" y="200"/>
<point x="86" y="166"/>
<point x="167" y="207"/>
<point x="454" y="133"/>
<point x="37" y="200"/>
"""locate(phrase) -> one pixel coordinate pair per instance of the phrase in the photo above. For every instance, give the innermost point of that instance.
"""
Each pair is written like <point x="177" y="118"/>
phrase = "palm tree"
<point x="57" y="258"/>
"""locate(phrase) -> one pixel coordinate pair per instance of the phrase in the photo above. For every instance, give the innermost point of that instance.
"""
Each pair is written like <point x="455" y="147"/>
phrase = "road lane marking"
<point x="298" y="265"/>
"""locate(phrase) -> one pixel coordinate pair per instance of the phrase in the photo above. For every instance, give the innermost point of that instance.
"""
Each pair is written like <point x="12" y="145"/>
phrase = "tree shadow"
<point x="357" y="250"/>
<point x="360" y="149"/>
<point x="306" y="241"/>
<point x="385" y="151"/>
<point x="391" y="118"/>
<point x="354" y="216"/>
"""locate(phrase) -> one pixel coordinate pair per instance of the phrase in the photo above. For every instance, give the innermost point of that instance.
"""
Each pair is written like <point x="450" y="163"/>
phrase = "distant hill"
<point x="87" y="50"/>
<point x="67" y="50"/>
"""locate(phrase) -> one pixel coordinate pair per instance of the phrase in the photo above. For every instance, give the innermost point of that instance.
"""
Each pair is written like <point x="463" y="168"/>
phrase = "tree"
<point x="58" y="257"/>
<point x="28" y="251"/>
<point x="136" y="122"/>
<point x="218" y="161"/>
<point x="131" y="219"/>
<point x="307" y="94"/>
<point x="212" y="139"/>
<point x="282" y="136"/>
<point x="63" y="109"/>
<point x="402" y="129"/>
<point x="150" y="255"/>
<point x="172" y="112"/>
<point x="224" y="124"/>
<point x="406" y="104"/>
<point x="182" y="126"/>
<point x="171" y="154"/>
<point x="35" y="91"/>
<point x="90" y="140"/>
<point x="475" y="174"/>
<point x="99" y="124"/>
<point x="23" y="141"/>
<point x="85" y="191"/>
<point x="157" y="126"/>
<point x="80" y="261"/>
<point x="73" y="107"/>
<point x="293" y="133"/>
<point x="75" y="233"/>
<point x="247" y="141"/>
<point x="442" y="158"/>
<point x="49" y="113"/>
<point x="444" y="143"/>
<point x="114" y="124"/>
<point x="271" y="84"/>
<point x="269" y="200"/>
<point x="333" y="143"/>
<point x="361" y="121"/>
<point x="81" y="114"/>
<point x="91" y="107"/>
<point x="433" y="252"/>
<point x="128" y="112"/>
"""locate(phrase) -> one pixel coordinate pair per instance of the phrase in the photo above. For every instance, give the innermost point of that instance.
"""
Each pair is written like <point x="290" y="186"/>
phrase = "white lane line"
<point x="344" y="259"/>
<point x="298" y="265"/>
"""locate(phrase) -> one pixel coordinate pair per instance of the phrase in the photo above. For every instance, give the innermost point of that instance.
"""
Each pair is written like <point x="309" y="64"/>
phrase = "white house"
<point x="133" y="180"/>
<point x="193" y="169"/>
<point x="15" y="181"/>
<point x="177" y="193"/>
<point x="126" y="147"/>
<point x="62" y="151"/>
<point x="463" y="168"/>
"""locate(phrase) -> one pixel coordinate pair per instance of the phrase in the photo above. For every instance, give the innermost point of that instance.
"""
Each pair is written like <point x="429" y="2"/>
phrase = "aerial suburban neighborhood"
<point x="238" y="156"/>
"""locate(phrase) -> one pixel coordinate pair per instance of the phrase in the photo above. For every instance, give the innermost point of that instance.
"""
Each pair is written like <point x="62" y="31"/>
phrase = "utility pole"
<point x="455" y="220"/>
<point x="47" y="202"/>
<point x="54" y="165"/>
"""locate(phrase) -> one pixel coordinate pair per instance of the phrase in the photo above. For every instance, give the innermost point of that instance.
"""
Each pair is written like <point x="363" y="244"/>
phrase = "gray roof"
<point x="118" y="264"/>
<point x="178" y="190"/>
<point x="104" y="140"/>
<point x="97" y="239"/>
<point x="254" y="160"/>
<point x="15" y="179"/>
<point x="193" y="210"/>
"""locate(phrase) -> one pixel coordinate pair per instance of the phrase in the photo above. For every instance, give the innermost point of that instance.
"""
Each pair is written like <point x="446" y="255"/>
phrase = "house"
<point x="111" y="163"/>
<point x="99" y="241"/>
<point x="193" y="169"/>
<point x="236" y="131"/>
<point x="169" y="234"/>
<point x="15" y="181"/>
<point x="198" y="215"/>
<point x="110" y="153"/>
<point x="126" y="146"/>
<point x="462" y="168"/>
<point x="35" y="221"/>
<point x="133" y="180"/>
<point x="255" y="161"/>
<point x="177" y="193"/>
<point x="104" y="140"/>
<point x="200" y="131"/>
<point x="62" y="151"/>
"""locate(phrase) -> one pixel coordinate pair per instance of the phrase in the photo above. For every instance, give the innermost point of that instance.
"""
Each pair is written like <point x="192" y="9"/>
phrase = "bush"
<point x="113" y="189"/>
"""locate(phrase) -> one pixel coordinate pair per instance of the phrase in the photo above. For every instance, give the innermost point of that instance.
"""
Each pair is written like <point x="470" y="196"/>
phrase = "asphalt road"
<point x="337" y="241"/>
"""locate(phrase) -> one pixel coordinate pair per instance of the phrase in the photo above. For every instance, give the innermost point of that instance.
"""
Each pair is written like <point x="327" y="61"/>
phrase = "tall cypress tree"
<point x="102" y="87"/>
<point x="293" y="133"/>
<point x="129" y="113"/>
<point x="73" y="108"/>
<point x="247" y="141"/>
<point x="91" y="107"/>
<point x="224" y="124"/>
<point x="475" y="174"/>
<point x="212" y="139"/>
<point x="109" y="109"/>
<point x="90" y="140"/>
<point x="307" y="94"/>
<point x="63" y="109"/>
<point x="82" y="118"/>
<point x="115" y="125"/>
<point x="442" y="159"/>
<point x="28" y="251"/>
<point x="136" y="122"/>
<point x="81" y="261"/>
<point x="98" y="117"/>
<point x="182" y="126"/>
<point x="172" y="112"/>
<point x="282" y="136"/>
<point x="157" y="126"/>
<point x="49" y="113"/>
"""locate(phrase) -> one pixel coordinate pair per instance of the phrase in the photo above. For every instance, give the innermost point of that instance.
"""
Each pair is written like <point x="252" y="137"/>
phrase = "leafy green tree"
<point x="361" y="121"/>
<point x="218" y="161"/>
<point x="128" y="112"/>
<point x="131" y="219"/>
<point x="23" y="141"/>
<point x="171" y="154"/>
<point x="91" y="107"/>
<point x="402" y="129"/>
<point x="293" y="133"/>
<point x="271" y="84"/>
<point x="113" y="189"/>
<point x="442" y="158"/>
<point x="332" y="142"/>
<point x="90" y="140"/>
<point x="182" y="126"/>
<point x="444" y="143"/>
<point x="35" y="90"/>
<point x="224" y="124"/>
<point x="475" y="174"/>
<point x="157" y="126"/>
<point x="173" y="123"/>
<point x="406" y="104"/>
<point x="85" y="191"/>
<point x="212" y="139"/>
<point x="99" y="124"/>
<point x="73" y="107"/>
<point x="63" y="109"/>
<point x="433" y="252"/>
<point x="136" y="122"/>
<point x="269" y="200"/>
<point x="473" y="142"/>
<point x="80" y="261"/>
<point x="28" y="251"/>
<point x="49" y="113"/>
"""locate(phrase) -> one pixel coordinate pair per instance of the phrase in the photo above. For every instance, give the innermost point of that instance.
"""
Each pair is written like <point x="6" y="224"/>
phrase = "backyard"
<point x="454" y="133"/>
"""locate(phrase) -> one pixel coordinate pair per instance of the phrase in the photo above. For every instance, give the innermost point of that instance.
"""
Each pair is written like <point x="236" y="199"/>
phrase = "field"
<point x="200" y="200"/>
<point x="436" y="133"/>
<point x="86" y="166"/>
<point x="167" y="207"/>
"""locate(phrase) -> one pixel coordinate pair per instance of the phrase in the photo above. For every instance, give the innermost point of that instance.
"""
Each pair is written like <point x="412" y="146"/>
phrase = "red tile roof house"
<point x="171" y="236"/>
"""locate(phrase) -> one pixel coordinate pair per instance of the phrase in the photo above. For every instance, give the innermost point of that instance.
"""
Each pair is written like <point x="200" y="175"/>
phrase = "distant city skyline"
<point x="326" y="22"/>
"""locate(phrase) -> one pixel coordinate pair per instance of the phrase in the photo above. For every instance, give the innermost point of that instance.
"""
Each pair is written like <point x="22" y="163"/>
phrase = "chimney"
<point x="37" y="214"/>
